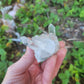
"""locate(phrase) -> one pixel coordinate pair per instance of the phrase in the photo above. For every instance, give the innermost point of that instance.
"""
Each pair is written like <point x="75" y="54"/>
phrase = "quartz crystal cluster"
<point x="44" y="45"/>
<point x="7" y="10"/>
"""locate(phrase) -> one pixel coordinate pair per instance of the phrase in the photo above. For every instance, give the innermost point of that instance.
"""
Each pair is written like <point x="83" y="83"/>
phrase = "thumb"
<point x="25" y="61"/>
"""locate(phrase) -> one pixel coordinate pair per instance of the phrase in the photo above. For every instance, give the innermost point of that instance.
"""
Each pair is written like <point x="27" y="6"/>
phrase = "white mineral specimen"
<point x="5" y="10"/>
<point x="13" y="12"/>
<point x="10" y="23"/>
<point x="15" y="9"/>
<point x="44" y="45"/>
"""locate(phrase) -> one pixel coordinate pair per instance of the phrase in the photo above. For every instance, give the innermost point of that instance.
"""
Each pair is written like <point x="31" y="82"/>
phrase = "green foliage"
<point x="53" y="81"/>
<point x="82" y="14"/>
<point x="3" y="54"/>
<point x="57" y="31"/>
<point x="4" y="62"/>
<point x="77" y="70"/>
<point x="76" y="65"/>
<point x="78" y="44"/>
<point x="77" y="9"/>
<point x="58" y="1"/>
<point x="36" y="16"/>
<point x="64" y="77"/>
<point x="9" y="2"/>
<point x="74" y="8"/>
<point x="7" y="16"/>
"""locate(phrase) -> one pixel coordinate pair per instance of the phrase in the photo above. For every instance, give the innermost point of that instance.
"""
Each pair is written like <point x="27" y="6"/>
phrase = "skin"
<point x="28" y="71"/>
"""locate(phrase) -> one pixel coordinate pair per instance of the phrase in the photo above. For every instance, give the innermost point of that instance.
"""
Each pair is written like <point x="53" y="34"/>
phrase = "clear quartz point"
<point x="51" y="29"/>
<point x="44" y="45"/>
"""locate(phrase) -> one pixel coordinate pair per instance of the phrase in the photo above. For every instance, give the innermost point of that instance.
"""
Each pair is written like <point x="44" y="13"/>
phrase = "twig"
<point x="42" y="30"/>
<point x="47" y="14"/>
<point x="68" y="47"/>
<point x="72" y="39"/>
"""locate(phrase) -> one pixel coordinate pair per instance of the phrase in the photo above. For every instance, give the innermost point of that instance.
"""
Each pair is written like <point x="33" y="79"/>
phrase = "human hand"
<point x="28" y="71"/>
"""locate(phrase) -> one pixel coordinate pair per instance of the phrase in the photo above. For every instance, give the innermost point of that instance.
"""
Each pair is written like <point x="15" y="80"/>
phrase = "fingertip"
<point x="28" y="50"/>
<point x="62" y="44"/>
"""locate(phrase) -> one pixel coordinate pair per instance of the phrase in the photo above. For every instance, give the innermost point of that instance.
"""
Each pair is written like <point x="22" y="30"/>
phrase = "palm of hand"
<point x="28" y="71"/>
<point x="35" y="74"/>
<point x="38" y="74"/>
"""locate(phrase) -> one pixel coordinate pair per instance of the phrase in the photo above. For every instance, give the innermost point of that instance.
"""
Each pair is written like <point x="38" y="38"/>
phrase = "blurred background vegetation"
<point x="33" y="18"/>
